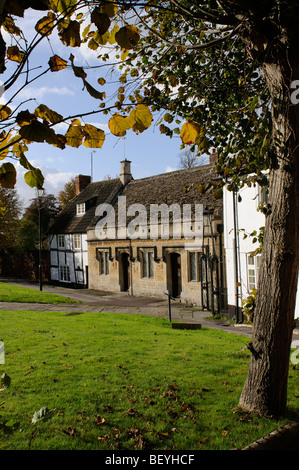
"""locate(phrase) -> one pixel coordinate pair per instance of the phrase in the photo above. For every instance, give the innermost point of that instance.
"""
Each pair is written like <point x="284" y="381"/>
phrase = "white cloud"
<point x="39" y="93"/>
<point x="54" y="181"/>
<point x="169" y="169"/>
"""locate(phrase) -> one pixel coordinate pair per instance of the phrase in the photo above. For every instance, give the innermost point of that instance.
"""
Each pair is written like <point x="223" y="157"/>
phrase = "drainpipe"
<point x="237" y="308"/>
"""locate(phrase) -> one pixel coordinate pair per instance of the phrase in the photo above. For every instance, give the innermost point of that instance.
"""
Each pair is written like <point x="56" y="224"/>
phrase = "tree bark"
<point x="265" y="388"/>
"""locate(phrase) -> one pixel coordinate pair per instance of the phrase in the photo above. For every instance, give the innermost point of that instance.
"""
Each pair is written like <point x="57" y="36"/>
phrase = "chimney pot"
<point x="81" y="182"/>
<point x="125" y="173"/>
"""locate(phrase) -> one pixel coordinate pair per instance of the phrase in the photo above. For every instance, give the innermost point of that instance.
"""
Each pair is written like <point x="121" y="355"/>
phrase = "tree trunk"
<point x="265" y="389"/>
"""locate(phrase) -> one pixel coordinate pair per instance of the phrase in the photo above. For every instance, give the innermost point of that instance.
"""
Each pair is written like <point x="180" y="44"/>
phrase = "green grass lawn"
<point x="116" y="381"/>
<point x="13" y="293"/>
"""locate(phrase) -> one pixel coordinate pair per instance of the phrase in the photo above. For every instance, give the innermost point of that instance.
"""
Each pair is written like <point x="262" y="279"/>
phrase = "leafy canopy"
<point x="183" y="60"/>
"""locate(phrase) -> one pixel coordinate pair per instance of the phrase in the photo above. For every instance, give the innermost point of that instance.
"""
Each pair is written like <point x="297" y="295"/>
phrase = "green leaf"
<point x="34" y="178"/>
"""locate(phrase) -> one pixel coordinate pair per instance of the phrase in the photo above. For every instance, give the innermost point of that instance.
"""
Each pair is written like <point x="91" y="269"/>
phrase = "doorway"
<point x="175" y="275"/>
<point x="124" y="273"/>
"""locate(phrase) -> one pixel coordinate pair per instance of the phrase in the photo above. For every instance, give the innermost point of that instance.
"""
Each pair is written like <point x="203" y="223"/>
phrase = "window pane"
<point x="192" y="257"/>
<point x="80" y="208"/>
<point x="151" y="264"/>
<point x="61" y="241"/>
<point x="144" y="264"/>
<point x="107" y="262"/>
<point x="102" y="263"/>
<point x="77" y="240"/>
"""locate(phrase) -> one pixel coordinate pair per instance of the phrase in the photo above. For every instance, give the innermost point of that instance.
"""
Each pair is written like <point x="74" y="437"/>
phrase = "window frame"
<point x="64" y="273"/>
<point x="103" y="259"/>
<point x="60" y="241"/>
<point x="147" y="268"/>
<point x="253" y="266"/>
<point x="76" y="237"/>
<point x="80" y="209"/>
<point x="197" y="275"/>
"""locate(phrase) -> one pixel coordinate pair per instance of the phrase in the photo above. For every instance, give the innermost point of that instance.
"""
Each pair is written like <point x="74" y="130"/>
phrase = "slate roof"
<point x="167" y="188"/>
<point x="170" y="188"/>
<point x="92" y="195"/>
<point x="174" y="187"/>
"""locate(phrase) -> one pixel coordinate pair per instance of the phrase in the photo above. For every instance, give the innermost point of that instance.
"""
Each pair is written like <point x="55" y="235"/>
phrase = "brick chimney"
<point x="125" y="172"/>
<point x="213" y="157"/>
<point x="81" y="182"/>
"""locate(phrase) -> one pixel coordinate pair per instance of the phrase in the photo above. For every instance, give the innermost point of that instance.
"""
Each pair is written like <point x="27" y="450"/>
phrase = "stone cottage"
<point x="161" y="234"/>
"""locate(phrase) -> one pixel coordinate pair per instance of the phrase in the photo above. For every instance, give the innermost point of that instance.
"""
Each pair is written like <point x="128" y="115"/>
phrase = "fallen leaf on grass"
<point x="99" y="420"/>
<point x="5" y="382"/>
<point x="131" y="412"/>
<point x="70" y="431"/>
<point x="42" y="414"/>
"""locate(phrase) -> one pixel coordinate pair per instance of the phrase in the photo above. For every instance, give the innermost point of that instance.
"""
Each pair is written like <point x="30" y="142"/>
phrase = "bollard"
<point x="169" y="304"/>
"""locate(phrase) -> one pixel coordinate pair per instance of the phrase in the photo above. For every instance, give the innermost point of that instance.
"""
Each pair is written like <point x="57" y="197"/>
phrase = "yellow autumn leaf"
<point x="142" y="118"/>
<point x="112" y="39"/>
<point x="13" y="53"/>
<point x="118" y="124"/>
<point x="109" y="8"/>
<point x="75" y="134"/>
<point x="43" y="112"/>
<point x="10" y="27"/>
<point x="5" y="111"/>
<point x="124" y="54"/>
<point x="189" y="132"/>
<point x="8" y="175"/>
<point x="56" y="63"/>
<point x="94" y="137"/>
<point x="101" y="20"/>
<point x="70" y="36"/>
<point x="46" y="24"/>
<point x="127" y="37"/>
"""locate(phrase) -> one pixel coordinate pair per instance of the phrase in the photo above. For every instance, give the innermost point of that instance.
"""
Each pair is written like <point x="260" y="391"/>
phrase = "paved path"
<point x="94" y="301"/>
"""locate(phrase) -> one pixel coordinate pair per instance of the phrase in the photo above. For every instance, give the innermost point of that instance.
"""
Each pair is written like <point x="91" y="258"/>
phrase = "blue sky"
<point x="150" y="152"/>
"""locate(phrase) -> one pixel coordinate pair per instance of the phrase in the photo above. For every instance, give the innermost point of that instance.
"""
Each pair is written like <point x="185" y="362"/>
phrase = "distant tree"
<point x="48" y="210"/>
<point x="28" y="236"/>
<point x="68" y="193"/>
<point x="188" y="159"/>
<point x="10" y="211"/>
